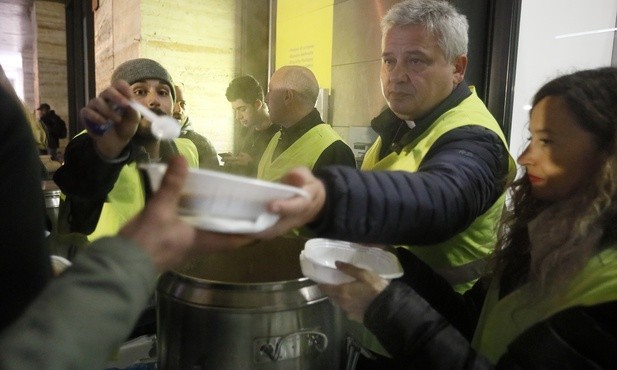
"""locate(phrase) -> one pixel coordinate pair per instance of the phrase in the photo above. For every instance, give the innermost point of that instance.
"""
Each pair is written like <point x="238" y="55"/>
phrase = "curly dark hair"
<point x="246" y="88"/>
<point x="579" y="226"/>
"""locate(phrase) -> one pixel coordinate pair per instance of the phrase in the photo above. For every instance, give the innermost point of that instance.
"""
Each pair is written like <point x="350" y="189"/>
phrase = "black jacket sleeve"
<point x="86" y="180"/>
<point x="419" y="337"/>
<point x="579" y="338"/>
<point x="461" y="310"/>
<point x="460" y="178"/>
<point x="425" y="324"/>
<point x="416" y="335"/>
<point x="84" y="173"/>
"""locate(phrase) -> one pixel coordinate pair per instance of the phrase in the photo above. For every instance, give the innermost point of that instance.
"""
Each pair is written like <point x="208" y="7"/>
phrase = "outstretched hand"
<point x="354" y="298"/>
<point x="296" y="211"/>
<point x="168" y="240"/>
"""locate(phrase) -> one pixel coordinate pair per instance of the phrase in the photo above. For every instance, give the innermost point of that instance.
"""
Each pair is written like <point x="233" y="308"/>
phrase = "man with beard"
<point x="207" y="154"/>
<point x="100" y="180"/>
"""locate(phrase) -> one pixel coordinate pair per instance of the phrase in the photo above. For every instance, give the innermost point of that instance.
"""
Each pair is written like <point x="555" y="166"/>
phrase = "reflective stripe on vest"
<point x="303" y="152"/>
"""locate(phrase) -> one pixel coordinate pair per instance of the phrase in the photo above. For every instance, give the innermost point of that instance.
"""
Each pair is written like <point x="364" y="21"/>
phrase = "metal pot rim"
<point x="253" y="296"/>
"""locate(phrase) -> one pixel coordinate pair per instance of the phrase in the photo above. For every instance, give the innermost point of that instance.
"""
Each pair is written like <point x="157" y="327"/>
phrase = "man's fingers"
<point x="331" y="290"/>
<point x="296" y="177"/>
<point x="288" y="207"/>
<point x="351" y="270"/>
<point x="124" y="88"/>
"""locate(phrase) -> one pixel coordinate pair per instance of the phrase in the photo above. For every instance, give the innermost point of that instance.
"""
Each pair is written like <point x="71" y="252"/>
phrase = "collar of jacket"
<point x="186" y="126"/>
<point x="387" y="123"/>
<point x="291" y="134"/>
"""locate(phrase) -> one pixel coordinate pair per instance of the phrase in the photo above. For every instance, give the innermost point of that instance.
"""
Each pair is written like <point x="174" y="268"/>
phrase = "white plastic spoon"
<point x="163" y="127"/>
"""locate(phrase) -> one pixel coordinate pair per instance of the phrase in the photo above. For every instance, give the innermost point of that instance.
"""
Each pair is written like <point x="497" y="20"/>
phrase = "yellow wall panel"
<point x="304" y="36"/>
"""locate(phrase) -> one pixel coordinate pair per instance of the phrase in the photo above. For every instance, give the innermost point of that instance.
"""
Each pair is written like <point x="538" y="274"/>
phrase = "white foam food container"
<point x="317" y="260"/>
<point x="222" y="202"/>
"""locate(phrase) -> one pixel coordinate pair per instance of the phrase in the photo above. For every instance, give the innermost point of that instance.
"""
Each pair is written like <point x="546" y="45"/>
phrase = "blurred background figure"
<point x="56" y="129"/>
<point x="39" y="130"/>
<point x="207" y="154"/>
<point x="251" y="112"/>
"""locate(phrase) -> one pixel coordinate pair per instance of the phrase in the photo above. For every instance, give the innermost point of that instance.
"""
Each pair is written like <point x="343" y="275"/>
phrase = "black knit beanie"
<point x="140" y="69"/>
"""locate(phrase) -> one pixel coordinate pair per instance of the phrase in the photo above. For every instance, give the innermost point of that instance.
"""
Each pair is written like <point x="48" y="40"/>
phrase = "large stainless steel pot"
<point x="246" y="309"/>
<point x="52" y="200"/>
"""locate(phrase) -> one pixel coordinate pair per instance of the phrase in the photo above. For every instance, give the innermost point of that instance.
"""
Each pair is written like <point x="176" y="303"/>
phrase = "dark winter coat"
<point x="25" y="266"/>
<point x="56" y="129"/>
<point x="459" y="179"/>
<point x="444" y="321"/>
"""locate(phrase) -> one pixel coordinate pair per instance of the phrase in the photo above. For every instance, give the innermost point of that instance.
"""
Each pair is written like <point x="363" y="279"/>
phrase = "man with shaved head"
<point x="304" y="139"/>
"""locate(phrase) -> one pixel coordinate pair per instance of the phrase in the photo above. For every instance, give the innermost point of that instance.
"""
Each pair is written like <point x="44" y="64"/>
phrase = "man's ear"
<point x="460" y="65"/>
<point x="258" y="104"/>
<point x="289" y="95"/>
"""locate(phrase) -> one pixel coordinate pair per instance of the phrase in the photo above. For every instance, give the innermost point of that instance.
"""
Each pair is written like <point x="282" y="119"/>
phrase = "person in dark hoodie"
<point x="55" y="129"/>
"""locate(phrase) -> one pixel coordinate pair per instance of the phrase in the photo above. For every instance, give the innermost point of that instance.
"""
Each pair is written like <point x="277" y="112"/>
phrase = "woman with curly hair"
<point x="550" y="297"/>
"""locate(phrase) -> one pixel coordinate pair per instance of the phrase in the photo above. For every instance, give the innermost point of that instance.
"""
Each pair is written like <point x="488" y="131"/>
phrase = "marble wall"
<point x="197" y="41"/>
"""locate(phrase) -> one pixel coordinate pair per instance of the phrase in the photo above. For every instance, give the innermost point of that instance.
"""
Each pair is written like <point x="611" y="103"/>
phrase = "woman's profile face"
<point x="560" y="158"/>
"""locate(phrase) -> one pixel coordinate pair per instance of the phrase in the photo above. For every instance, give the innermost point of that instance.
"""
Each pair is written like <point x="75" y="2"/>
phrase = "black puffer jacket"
<point x="420" y="320"/>
<point x="460" y="178"/>
<point x="424" y="324"/>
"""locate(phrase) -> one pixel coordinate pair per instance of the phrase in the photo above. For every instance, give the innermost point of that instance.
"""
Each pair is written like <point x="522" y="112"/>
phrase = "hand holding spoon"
<point x="163" y="127"/>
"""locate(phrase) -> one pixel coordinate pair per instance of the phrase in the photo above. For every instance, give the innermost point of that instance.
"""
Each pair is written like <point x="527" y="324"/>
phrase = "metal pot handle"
<point x="292" y="345"/>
